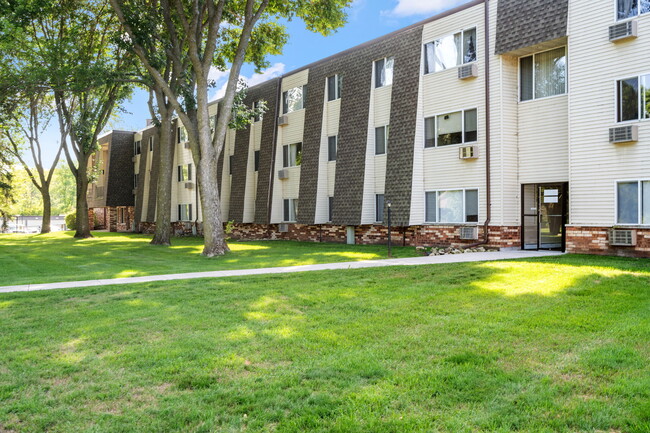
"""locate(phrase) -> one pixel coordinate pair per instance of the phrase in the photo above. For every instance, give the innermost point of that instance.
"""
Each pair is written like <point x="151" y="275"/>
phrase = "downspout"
<point x="269" y="197"/>
<point x="488" y="194"/>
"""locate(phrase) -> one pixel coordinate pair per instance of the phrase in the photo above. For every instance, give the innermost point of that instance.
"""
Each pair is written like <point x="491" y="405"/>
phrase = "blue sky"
<point x="367" y="19"/>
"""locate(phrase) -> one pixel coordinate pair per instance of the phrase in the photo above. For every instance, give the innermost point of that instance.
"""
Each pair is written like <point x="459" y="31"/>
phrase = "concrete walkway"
<point x="412" y="261"/>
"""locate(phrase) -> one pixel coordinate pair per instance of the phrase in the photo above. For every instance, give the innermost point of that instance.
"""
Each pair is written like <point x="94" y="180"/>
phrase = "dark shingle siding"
<point x="268" y="92"/>
<point x="522" y="24"/>
<point x="239" y="169"/>
<point x="120" y="177"/>
<point x="403" y="118"/>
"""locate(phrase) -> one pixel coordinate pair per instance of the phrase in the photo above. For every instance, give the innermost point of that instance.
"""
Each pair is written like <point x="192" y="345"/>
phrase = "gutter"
<point x="488" y="193"/>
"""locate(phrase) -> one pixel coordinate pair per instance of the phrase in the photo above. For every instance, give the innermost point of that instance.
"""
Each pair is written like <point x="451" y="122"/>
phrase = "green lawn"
<point x="59" y="257"/>
<point x="557" y="344"/>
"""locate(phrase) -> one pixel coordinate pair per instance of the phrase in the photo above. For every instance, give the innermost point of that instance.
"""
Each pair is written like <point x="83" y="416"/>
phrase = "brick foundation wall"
<point x="594" y="240"/>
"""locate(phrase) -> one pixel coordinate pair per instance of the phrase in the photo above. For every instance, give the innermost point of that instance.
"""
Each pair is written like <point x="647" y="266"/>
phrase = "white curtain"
<point x="447" y="52"/>
<point x="627" y="8"/>
<point x="388" y="71"/>
<point x="550" y="73"/>
<point x="645" y="203"/>
<point x="429" y="55"/>
<point x="450" y="204"/>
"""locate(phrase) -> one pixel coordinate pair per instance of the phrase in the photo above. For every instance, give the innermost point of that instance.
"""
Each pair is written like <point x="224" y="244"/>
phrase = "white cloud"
<point x="406" y="8"/>
<point x="221" y="78"/>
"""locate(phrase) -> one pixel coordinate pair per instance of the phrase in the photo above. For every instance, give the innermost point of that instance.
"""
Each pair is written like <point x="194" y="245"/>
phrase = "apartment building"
<point x="519" y="124"/>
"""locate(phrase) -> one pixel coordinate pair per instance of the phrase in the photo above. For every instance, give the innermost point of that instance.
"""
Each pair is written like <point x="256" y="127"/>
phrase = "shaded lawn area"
<point x="556" y="344"/>
<point x="58" y="257"/>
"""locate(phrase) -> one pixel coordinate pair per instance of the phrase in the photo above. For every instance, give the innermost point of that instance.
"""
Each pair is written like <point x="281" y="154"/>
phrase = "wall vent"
<point x="283" y="227"/>
<point x="623" y="31"/>
<point x="189" y="185"/>
<point x="468" y="152"/>
<point x="622" y="238"/>
<point x="624" y="134"/>
<point x="469" y="233"/>
<point x="283" y="174"/>
<point x="283" y="120"/>
<point x="467" y="71"/>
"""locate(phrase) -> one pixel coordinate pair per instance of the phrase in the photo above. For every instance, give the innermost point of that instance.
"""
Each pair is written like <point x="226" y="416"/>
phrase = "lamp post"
<point x="390" y="255"/>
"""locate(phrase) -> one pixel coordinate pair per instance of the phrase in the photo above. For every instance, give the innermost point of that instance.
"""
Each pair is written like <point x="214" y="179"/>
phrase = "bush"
<point x="71" y="221"/>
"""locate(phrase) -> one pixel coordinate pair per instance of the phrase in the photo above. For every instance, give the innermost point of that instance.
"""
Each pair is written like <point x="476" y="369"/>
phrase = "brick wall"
<point x="594" y="240"/>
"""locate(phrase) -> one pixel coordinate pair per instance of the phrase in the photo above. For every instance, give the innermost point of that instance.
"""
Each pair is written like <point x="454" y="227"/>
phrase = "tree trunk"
<point x="214" y="236"/>
<point x="162" y="235"/>
<point x="83" y="225"/>
<point x="47" y="208"/>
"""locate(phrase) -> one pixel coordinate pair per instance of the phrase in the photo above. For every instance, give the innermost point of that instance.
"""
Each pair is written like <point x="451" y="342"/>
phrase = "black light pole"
<point x="389" y="231"/>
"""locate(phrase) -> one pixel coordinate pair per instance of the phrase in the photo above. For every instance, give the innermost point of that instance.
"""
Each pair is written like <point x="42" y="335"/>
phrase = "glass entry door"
<point x="544" y="216"/>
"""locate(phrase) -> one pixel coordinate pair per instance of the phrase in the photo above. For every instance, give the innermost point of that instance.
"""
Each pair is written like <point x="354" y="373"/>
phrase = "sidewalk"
<point x="412" y="261"/>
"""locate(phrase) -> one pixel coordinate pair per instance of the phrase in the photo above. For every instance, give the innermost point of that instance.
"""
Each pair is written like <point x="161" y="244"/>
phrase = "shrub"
<point x="71" y="221"/>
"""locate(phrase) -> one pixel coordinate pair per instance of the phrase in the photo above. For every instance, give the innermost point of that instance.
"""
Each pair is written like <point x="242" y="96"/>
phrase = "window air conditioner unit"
<point x="469" y="233"/>
<point x="283" y="227"/>
<point x="189" y="185"/>
<point x="186" y="145"/>
<point x="134" y="159"/>
<point x="622" y="238"/>
<point x="623" y="31"/>
<point x="283" y="174"/>
<point x="467" y="71"/>
<point x="468" y="152"/>
<point x="624" y="134"/>
<point x="283" y="120"/>
<point x="134" y="191"/>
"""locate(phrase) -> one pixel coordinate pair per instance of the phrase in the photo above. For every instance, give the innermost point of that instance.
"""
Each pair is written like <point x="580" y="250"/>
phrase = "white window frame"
<point x="639" y="216"/>
<point x="566" y="78"/>
<point x="374" y="72"/>
<point x="293" y="209"/>
<point x="462" y="44"/>
<point x="379" y="221"/>
<point x="386" y="132"/>
<point x="188" y="211"/>
<point x="438" y="222"/>
<point x="137" y="147"/>
<point x="291" y="163"/>
<point x="182" y="168"/>
<point x="336" y="148"/>
<point x="616" y="81"/>
<point x="151" y="143"/>
<point x="181" y="135"/>
<point x="337" y="87"/>
<point x="462" y="132"/>
<point x="302" y="104"/>
<point x="621" y="20"/>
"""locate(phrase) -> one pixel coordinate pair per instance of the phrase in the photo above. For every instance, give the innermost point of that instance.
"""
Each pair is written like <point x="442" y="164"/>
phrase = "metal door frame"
<point x="564" y="194"/>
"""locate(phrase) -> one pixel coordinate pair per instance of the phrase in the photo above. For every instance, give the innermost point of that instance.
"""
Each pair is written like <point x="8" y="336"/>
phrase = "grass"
<point x="557" y="344"/>
<point x="57" y="257"/>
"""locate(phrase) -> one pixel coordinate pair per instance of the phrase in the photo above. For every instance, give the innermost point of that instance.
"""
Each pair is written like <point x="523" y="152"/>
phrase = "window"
<point x="256" y="106"/>
<point x="333" y="87"/>
<point x="633" y="98"/>
<point x="293" y="99"/>
<point x="181" y="135"/>
<point x="450" y="51"/>
<point x="631" y="8"/>
<point x="184" y="212"/>
<point x="543" y="74"/>
<point x="213" y="123"/>
<point x="121" y="217"/>
<point x="379" y="208"/>
<point x="257" y="160"/>
<point x="454" y="206"/>
<point x="384" y="72"/>
<point x="231" y="163"/>
<point x="291" y="155"/>
<point x="332" y="143"/>
<point x="137" y="148"/>
<point x="135" y="180"/>
<point x="184" y="172"/>
<point x="151" y="144"/>
<point x="330" y="208"/>
<point x="633" y="202"/>
<point x="381" y="138"/>
<point x="290" y="210"/>
<point x="451" y="128"/>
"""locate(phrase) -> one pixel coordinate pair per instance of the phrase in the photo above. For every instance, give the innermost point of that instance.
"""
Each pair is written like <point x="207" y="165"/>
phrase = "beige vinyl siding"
<point x="250" y="193"/>
<point x="288" y="134"/>
<point x="594" y="66"/>
<point x="443" y="92"/>
<point x="326" y="169"/>
<point x="226" y="178"/>
<point x="543" y="140"/>
<point x="369" y="180"/>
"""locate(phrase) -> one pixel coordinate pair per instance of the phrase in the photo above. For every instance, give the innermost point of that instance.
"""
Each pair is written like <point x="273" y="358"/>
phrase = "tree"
<point x="71" y="50"/>
<point x="215" y="33"/>
<point x="26" y="123"/>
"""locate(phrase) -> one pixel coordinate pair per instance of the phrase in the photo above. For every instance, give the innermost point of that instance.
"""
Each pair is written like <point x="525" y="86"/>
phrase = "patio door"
<point x="544" y="216"/>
